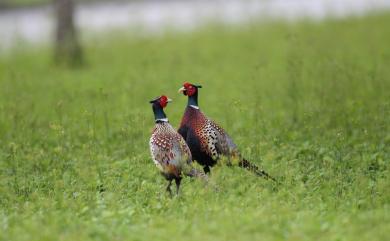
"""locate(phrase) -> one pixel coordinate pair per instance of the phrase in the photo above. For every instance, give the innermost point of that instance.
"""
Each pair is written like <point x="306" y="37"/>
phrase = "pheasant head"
<point x="158" y="105"/>
<point x="190" y="90"/>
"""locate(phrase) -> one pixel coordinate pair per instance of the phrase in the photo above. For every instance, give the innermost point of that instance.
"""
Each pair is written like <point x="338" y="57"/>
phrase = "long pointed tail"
<point x="255" y="169"/>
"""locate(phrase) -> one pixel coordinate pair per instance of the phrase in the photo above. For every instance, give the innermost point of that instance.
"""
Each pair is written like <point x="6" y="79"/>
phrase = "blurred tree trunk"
<point x="67" y="47"/>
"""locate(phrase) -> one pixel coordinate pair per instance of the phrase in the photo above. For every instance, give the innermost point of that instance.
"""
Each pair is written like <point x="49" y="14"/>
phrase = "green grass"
<point x="310" y="102"/>
<point x="22" y="3"/>
<point x="33" y="3"/>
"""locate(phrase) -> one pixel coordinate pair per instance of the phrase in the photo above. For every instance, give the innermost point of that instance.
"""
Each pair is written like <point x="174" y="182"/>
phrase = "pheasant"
<point x="169" y="151"/>
<point x="208" y="142"/>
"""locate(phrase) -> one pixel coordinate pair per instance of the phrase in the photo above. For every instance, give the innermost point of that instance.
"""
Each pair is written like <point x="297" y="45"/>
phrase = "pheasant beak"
<point x="182" y="89"/>
<point x="169" y="100"/>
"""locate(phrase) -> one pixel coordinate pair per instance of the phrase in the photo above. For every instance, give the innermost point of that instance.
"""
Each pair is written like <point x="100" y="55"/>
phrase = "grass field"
<point x="22" y="3"/>
<point x="310" y="102"/>
<point x="32" y="3"/>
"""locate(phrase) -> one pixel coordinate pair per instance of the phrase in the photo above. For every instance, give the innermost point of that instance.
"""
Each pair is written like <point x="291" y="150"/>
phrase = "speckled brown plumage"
<point x="208" y="142"/>
<point x="169" y="151"/>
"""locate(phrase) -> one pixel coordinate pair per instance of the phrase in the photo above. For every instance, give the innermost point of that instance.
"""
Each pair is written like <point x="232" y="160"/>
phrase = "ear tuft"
<point x="154" y="100"/>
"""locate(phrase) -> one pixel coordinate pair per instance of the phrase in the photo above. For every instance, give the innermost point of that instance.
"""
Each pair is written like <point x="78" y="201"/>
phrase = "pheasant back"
<point x="210" y="144"/>
<point x="206" y="139"/>
<point x="169" y="151"/>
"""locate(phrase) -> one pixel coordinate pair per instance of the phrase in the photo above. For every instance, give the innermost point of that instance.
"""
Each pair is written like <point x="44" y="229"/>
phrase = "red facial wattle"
<point x="189" y="89"/>
<point x="163" y="101"/>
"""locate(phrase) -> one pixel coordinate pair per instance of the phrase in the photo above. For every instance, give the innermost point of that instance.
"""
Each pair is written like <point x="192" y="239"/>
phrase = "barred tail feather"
<point x="255" y="169"/>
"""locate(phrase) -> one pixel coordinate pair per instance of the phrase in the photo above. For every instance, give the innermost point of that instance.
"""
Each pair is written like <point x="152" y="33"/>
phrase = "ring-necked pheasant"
<point x="207" y="141"/>
<point x="169" y="151"/>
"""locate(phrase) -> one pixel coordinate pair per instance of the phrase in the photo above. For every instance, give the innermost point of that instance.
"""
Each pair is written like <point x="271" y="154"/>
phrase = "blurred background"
<point x="42" y="21"/>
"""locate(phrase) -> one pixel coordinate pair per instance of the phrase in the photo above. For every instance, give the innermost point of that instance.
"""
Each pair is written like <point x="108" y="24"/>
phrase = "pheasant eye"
<point x="191" y="90"/>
